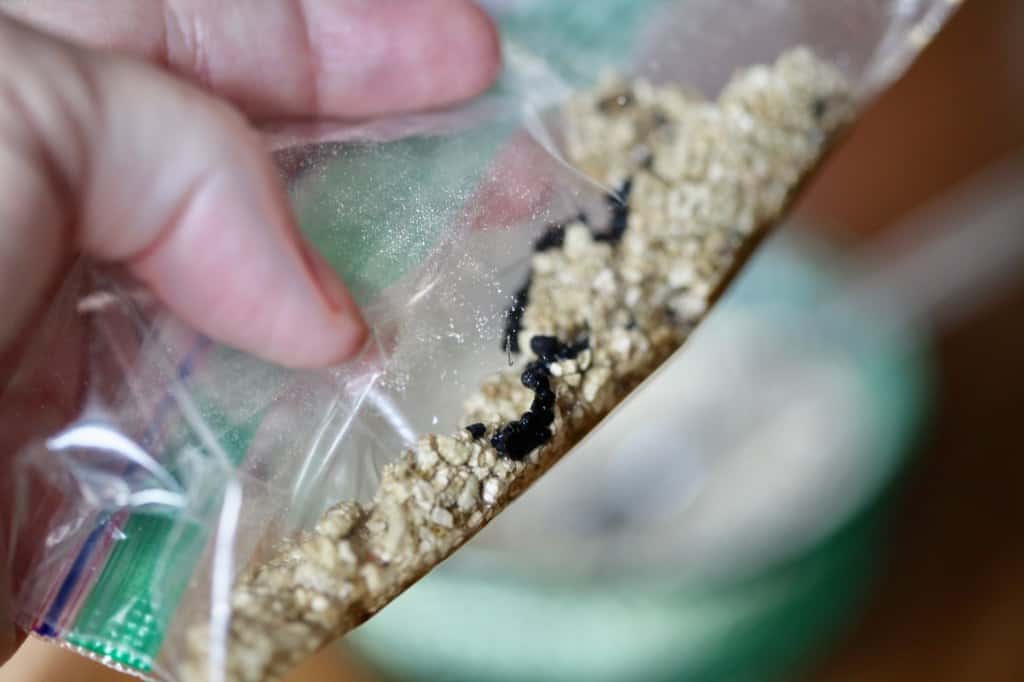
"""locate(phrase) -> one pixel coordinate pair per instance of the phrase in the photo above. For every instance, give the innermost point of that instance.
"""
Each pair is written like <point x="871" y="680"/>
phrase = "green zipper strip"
<point x="126" y="614"/>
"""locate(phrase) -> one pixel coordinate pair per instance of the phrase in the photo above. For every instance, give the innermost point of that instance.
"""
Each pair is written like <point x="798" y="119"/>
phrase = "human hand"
<point x="107" y="150"/>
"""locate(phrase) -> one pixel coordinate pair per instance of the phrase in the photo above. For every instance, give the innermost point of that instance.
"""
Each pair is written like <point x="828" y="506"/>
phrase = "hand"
<point x="122" y="159"/>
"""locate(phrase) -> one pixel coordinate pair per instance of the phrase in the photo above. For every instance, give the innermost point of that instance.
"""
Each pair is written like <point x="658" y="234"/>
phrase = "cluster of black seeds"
<point x="552" y="238"/>
<point x="519" y="438"/>
<point x="477" y="430"/>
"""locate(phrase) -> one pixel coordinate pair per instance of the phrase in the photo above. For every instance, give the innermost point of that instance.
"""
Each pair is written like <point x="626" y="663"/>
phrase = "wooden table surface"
<point x="950" y="603"/>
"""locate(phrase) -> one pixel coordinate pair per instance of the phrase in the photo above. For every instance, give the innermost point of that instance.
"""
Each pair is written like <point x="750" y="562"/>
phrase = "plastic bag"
<point x="178" y="467"/>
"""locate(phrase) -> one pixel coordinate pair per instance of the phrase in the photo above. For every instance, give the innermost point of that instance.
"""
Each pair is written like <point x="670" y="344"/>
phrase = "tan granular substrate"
<point x="707" y="179"/>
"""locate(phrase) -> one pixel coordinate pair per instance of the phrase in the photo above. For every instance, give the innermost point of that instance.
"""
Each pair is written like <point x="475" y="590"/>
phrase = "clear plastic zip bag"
<point x="175" y="481"/>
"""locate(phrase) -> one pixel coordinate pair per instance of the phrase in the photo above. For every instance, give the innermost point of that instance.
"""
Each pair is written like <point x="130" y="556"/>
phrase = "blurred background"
<point x="869" y="528"/>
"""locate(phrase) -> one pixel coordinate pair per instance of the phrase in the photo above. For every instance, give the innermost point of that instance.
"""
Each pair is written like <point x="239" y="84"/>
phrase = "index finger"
<point x="345" y="58"/>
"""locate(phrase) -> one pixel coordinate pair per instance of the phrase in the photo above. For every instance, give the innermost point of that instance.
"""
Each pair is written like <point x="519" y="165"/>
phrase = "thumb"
<point x="117" y="159"/>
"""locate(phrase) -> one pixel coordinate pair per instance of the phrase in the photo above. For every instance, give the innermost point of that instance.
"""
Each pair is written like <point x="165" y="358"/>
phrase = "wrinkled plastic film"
<point x="164" y="464"/>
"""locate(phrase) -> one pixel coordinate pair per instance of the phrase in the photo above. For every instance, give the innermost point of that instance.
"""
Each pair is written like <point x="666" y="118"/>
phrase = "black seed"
<point x="514" y="318"/>
<point x="541" y="436"/>
<point x="535" y="375"/>
<point x="543" y="412"/>
<point x="476" y="430"/>
<point x="519" y="442"/>
<point x="545" y="347"/>
<point x="545" y="395"/>
<point x="580" y="346"/>
<point x="818" y="107"/>
<point x="550" y="348"/>
<point x="516" y="440"/>
<point x="500" y="439"/>
<point x="619" y="220"/>
<point x="552" y="238"/>
<point x="620" y="212"/>
<point x="542" y="416"/>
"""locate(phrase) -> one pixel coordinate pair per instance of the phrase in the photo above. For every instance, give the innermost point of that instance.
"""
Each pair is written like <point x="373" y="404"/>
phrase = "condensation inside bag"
<point x="182" y="462"/>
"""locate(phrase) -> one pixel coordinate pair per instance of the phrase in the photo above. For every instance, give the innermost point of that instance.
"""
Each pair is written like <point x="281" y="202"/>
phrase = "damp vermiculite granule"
<point x="697" y="182"/>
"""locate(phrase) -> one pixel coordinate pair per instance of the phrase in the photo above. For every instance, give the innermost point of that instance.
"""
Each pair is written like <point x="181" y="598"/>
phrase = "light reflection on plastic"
<point x="93" y="436"/>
